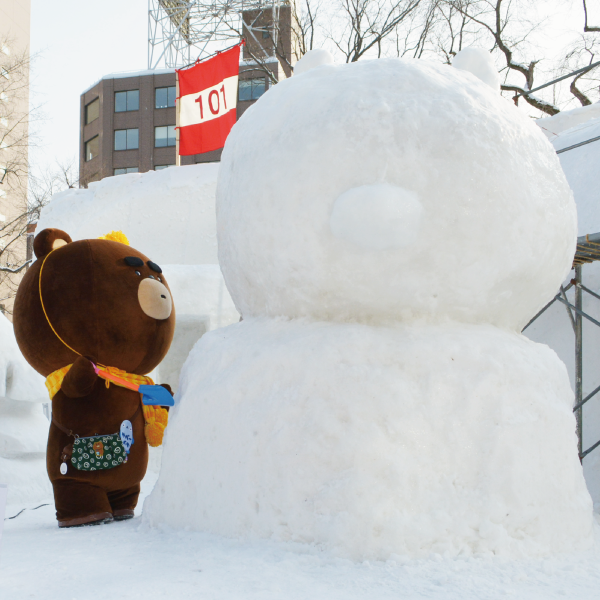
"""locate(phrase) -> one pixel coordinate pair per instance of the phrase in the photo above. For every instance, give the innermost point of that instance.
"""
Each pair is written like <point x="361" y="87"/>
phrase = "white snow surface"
<point x="23" y="426"/>
<point x="497" y="231"/>
<point x="169" y="215"/>
<point x="478" y="61"/>
<point x="200" y="290"/>
<point x="377" y="217"/>
<point x="155" y="564"/>
<point x="18" y="381"/>
<point x="369" y="442"/>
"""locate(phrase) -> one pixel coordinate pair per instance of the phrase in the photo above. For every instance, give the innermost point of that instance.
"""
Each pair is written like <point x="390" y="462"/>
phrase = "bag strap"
<point x="70" y="433"/>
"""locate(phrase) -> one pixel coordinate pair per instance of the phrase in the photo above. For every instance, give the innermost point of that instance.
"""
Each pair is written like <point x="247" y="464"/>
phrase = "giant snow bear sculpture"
<point x="386" y="228"/>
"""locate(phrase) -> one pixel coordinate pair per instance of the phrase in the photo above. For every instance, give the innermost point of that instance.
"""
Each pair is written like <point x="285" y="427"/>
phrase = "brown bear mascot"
<point x="94" y="317"/>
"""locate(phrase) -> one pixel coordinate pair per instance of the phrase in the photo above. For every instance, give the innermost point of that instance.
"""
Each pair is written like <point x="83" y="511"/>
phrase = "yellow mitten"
<point x="156" y="419"/>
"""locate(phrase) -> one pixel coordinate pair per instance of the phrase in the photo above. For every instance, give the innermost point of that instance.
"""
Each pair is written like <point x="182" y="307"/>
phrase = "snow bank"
<point x="567" y="119"/>
<point x="168" y="215"/>
<point x="407" y="440"/>
<point x="23" y="426"/>
<point x="18" y="381"/>
<point x="432" y="133"/>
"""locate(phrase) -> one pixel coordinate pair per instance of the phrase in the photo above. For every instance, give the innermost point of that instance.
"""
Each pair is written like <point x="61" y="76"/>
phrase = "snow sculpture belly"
<point x="378" y="398"/>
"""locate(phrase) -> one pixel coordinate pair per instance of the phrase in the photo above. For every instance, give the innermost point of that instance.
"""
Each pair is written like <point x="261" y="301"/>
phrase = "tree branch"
<point x="586" y="27"/>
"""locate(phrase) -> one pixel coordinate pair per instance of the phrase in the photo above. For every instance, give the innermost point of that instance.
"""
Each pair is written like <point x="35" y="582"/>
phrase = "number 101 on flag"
<point x="214" y="99"/>
<point x="206" y="107"/>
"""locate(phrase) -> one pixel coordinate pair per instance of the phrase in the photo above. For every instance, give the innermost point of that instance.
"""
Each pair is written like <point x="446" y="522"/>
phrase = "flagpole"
<point x="177" y="104"/>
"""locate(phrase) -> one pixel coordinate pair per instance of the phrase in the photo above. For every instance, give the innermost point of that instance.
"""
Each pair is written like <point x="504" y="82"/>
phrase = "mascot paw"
<point x="80" y="379"/>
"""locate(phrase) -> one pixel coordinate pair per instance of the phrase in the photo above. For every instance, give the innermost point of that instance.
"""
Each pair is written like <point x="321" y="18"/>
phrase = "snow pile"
<point x="478" y="61"/>
<point x="168" y="214"/>
<point x="443" y="145"/>
<point x="554" y="326"/>
<point x="567" y="119"/>
<point x="377" y="397"/>
<point x="23" y="426"/>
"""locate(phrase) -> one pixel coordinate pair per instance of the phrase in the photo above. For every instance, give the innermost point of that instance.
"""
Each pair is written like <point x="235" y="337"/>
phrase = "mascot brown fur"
<point x="108" y="304"/>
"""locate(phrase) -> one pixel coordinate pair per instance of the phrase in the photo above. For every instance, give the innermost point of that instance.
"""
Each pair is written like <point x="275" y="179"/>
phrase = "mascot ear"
<point x="49" y="239"/>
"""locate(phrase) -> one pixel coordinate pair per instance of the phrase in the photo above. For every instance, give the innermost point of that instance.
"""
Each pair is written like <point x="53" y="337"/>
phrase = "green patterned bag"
<point x="98" y="452"/>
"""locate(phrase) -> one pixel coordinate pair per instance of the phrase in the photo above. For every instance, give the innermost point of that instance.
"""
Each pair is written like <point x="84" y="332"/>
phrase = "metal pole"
<point x="177" y="109"/>
<point x="579" y="359"/>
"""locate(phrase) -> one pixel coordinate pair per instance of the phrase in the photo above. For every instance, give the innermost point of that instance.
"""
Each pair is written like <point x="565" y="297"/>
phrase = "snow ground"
<point x="37" y="560"/>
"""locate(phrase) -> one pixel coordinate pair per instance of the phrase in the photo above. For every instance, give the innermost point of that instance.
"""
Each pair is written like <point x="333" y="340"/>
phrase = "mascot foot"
<point x="123" y="514"/>
<point x="97" y="519"/>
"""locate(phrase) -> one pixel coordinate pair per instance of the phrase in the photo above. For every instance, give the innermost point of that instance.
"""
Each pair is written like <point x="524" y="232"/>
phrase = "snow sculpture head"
<point x="391" y="190"/>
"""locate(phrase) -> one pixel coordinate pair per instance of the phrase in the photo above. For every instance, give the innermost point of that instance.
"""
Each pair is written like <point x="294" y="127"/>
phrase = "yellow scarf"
<point x="156" y="417"/>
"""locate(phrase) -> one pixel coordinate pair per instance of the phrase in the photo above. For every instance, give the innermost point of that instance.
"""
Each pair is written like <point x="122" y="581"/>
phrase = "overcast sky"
<point x="76" y="43"/>
<point x="79" y="41"/>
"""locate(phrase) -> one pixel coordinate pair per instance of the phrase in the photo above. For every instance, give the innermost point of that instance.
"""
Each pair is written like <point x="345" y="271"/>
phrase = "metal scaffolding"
<point x="588" y="251"/>
<point x="181" y="31"/>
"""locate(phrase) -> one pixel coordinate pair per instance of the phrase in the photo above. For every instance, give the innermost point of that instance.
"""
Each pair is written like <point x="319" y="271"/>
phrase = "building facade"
<point x="128" y="120"/>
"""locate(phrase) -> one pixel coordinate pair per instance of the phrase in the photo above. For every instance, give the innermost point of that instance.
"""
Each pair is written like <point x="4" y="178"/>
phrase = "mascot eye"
<point x="151" y="276"/>
<point x="159" y="279"/>
<point x="138" y="273"/>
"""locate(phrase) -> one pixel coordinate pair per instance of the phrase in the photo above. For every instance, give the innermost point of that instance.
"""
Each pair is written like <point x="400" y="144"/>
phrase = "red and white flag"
<point x="207" y="102"/>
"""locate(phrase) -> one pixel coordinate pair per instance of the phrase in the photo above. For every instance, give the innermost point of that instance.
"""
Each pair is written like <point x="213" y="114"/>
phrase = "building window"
<point x="125" y="101"/>
<point x="92" y="148"/>
<point x="164" y="97"/>
<point x="252" y="89"/>
<point x="265" y="33"/>
<point x="161" y="167"/>
<point x="126" y="139"/>
<point x="164" y="136"/>
<point x="126" y="170"/>
<point x="92" y="111"/>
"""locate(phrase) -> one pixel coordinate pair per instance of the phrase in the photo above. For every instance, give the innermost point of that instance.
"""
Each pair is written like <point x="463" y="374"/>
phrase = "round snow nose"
<point x="155" y="299"/>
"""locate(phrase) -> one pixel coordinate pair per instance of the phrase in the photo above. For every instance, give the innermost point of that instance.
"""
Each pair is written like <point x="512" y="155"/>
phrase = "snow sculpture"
<point x="386" y="229"/>
<point x="23" y="426"/>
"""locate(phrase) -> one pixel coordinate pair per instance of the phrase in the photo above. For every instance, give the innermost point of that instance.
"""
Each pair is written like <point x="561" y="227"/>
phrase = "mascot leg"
<point x="123" y="502"/>
<point x="80" y="504"/>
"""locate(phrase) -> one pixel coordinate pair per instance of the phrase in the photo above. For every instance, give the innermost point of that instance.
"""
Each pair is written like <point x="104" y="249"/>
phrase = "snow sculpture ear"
<point x="478" y="62"/>
<point x="312" y="59"/>
<point x="48" y="240"/>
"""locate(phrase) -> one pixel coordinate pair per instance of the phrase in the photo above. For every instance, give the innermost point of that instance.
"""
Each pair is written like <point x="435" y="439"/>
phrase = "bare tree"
<point x="14" y="118"/>
<point x="14" y="141"/>
<point x="499" y="23"/>
<point x="14" y="231"/>
<point x="305" y="19"/>
<point x="362" y="26"/>
<point x="583" y="52"/>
